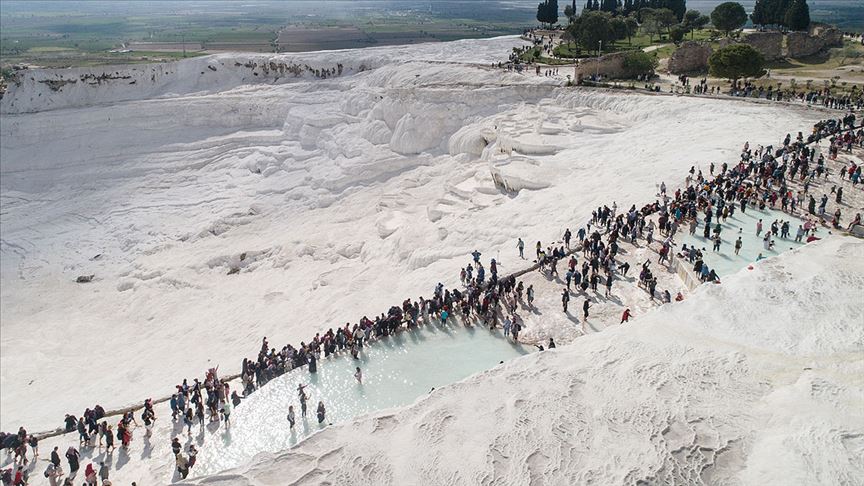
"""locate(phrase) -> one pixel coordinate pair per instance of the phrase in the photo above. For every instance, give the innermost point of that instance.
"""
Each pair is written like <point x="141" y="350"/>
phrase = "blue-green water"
<point x="725" y="261"/>
<point x="396" y="371"/>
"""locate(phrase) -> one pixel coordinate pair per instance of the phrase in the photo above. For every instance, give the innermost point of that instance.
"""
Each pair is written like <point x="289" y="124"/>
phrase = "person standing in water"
<point x="585" y="307"/>
<point x="738" y="244"/>
<point x="313" y="365"/>
<point x="302" y="395"/>
<point x="321" y="412"/>
<point x="291" y="416"/>
<point x="358" y="375"/>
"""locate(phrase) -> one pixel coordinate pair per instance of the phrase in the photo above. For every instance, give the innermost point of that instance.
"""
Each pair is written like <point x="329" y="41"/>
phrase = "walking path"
<point x="542" y="320"/>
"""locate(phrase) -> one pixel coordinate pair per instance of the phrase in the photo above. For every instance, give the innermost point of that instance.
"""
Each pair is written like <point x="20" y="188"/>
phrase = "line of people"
<point x="762" y="177"/>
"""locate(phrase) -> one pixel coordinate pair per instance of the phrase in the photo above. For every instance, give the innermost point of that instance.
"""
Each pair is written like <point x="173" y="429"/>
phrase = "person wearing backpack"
<point x="53" y="473"/>
<point x="149" y="418"/>
<point x="182" y="465"/>
<point x="103" y="472"/>
<point x="72" y="456"/>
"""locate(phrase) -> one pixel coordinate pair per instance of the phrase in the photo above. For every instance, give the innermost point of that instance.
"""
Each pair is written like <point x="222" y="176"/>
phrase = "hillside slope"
<point x="756" y="381"/>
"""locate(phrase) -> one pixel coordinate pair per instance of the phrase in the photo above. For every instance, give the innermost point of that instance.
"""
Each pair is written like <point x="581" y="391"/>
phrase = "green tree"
<point x="762" y="12"/>
<point x="690" y="18"/>
<point x="676" y="34"/>
<point x="736" y="61"/>
<point x="569" y="13"/>
<point x="567" y="38"/>
<point x="798" y="15"/>
<point x="632" y="26"/>
<point x="627" y="7"/>
<point x="728" y="16"/>
<point x="638" y="62"/>
<point x="591" y="28"/>
<point x="778" y="13"/>
<point x="619" y="27"/>
<point x="649" y="23"/>
<point x="666" y="18"/>
<point x="547" y="12"/>
<point x="678" y="7"/>
<point x="541" y="12"/>
<point x="693" y="21"/>
<point x="642" y="13"/>
<point x="553" y="11"/>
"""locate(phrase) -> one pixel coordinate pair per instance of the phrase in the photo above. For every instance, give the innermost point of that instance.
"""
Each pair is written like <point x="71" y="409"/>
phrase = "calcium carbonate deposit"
<point x="225" y="198"/>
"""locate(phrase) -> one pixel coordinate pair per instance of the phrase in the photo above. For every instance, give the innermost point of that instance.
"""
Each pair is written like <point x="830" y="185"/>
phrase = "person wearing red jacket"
<point x="19" y="480"/>
<point x="90" y="475"/>
<point x="626" y="316"/>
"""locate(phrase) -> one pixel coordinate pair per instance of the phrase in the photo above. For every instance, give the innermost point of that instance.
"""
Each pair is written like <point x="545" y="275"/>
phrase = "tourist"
<point x="226" y="412"/>
<point x="182" y="464"/>
<point x="291" y="416"/>
<point x="626" y="316"/>
<point x="514" y="330"/>
<point x="72" y="456"/>
<point x="321" y="412"/>
<point x="55" y="457"/>
<point x="103" y="472"/>
<point x="90" y="475"/>
<point x="187" y="421"/>
<point x="193" y="455"/>
<point x="34" y="443"/>
<point x="303" y="398"/>
<point x="109" y="438"/>
<point x="565" y="298"/>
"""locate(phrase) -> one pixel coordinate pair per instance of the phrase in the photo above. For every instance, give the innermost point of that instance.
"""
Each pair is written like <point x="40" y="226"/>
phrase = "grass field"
<point x="639" y="41"/>
<point x="61" y="34"/>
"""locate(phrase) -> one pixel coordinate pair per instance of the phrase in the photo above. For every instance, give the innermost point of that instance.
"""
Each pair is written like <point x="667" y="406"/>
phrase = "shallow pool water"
<point x="396" y="371"/>
<point x="725" y="262"/>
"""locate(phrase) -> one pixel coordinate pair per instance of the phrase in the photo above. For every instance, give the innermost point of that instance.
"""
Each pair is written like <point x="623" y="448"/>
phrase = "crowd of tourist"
<point x="825" y="97"/>
<point x="777" y="177"/>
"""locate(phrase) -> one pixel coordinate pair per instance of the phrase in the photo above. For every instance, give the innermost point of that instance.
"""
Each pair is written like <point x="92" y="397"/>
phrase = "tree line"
<point x="594" y="27"/>
<point x="656" y="16"/>
<point x="603" y="22"/>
